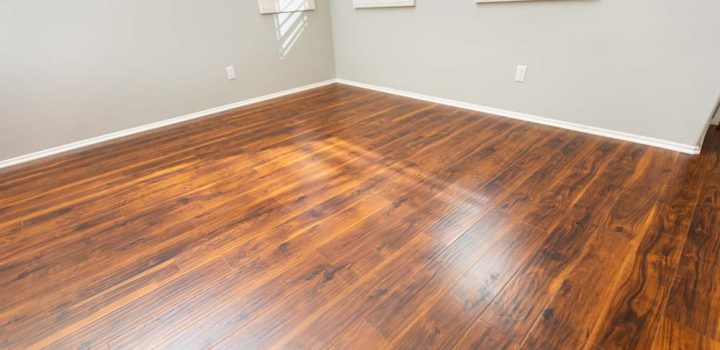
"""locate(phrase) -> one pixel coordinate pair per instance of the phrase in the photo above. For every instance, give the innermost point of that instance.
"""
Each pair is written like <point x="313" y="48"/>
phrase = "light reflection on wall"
<point x="289" y="26"/>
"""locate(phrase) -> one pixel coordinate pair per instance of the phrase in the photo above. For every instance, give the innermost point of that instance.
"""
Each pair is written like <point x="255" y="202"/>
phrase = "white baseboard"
<point x="147" y="127"/>
<point x="649" y="141"/>
<point x="690" y="149"/>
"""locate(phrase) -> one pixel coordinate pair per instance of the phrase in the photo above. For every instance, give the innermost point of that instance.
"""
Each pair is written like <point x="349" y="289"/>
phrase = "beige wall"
<point x="645" y="67"/>
<point x="75" y="69"/>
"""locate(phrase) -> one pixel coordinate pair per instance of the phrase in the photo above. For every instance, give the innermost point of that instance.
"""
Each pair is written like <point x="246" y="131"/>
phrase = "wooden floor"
<point x="342" y="218"/>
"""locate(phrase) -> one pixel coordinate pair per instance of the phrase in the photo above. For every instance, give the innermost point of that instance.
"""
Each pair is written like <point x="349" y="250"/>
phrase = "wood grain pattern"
<point x="672" y="336"/>
<point x="343" y="218"/>
<point x="633" y="316"/>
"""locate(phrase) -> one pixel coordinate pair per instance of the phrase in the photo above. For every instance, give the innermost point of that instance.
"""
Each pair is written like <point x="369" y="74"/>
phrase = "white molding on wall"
<point x="147" y="127"/>
<point x="644" y="140"/>
<point x="689" y="149"/>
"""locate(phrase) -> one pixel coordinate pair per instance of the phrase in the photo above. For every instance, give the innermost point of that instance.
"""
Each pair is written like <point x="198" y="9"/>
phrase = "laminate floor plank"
<point x="634" y="314"/>
<point x="516" y="308"/>
<point x="236" y="190"/>
<point x="83" y="157"/>
<point x="480" y="336"/>
<point x="127" y="149"/>
<point x="212" y="327"/>
<point x="549" y="205"/>
<point x="581" y="295"/>
<point x="332" y="318"/>
<point x="703" y="242"/>
<point x="420" y="291"/>
<point x="170" y="158"/>
<point x="391" y="288"/>
<point x="672" y="336"/>
<point x="693" y="298"/>
<point x="446" y="320"/>
<point x="345" y="218"/>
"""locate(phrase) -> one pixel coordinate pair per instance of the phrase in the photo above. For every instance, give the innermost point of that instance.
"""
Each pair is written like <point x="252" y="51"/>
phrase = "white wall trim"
<point x="649" y="141"/>
<point x="147" y="127"/>
<point x="689" y="149"/>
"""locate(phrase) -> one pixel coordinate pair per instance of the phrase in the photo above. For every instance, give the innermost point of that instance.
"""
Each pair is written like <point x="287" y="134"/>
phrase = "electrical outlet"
<point x="230" y="70"/>
<point x="520" y="73"/>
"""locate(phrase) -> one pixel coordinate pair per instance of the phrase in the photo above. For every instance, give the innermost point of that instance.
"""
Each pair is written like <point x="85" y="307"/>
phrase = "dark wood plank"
<point x="421" y="291"/>
<point x="569" y="319"/>
<point x="517" y="307"/>
<point x="96" y="331"/>
<point x="635" y="310"/>
<point x="672" y="336"/>
<point x="346" y="218"/>
<point x="552" y="205"/>
<point x="359" y="335"/>
<point x="482" y="337"/>
<point x="455" y="311"/>
<point x="332" y="318"/>
<point x="703" y="242"/>
<point x="693" y="298"/>
<point x="205" y="328"/>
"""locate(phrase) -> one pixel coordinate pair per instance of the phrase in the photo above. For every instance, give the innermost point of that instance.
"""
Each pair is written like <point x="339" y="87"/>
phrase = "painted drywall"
<point x="644" y="67"/>
<point x="76" y="69"/>
<point x="716" y="119"/>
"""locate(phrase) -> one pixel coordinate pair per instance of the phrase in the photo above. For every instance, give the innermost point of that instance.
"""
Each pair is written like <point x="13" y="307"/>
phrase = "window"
<point x="280" y="6"/>
<point x="383" y="3"/>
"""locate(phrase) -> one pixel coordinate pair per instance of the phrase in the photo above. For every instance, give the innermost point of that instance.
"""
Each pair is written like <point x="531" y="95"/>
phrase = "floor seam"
<point x="671" y="284"/>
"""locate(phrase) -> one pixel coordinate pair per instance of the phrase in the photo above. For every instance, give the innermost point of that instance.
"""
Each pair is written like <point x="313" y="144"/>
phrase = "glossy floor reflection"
<point x="345" y="218"/>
